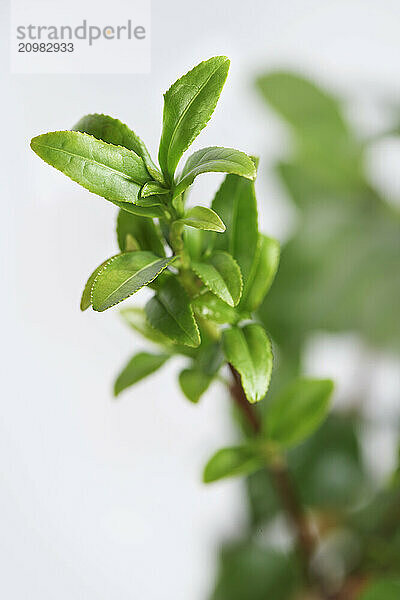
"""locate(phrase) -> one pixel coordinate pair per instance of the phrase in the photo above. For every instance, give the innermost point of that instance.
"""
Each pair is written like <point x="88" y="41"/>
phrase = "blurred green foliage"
<point x="339" y="272"/>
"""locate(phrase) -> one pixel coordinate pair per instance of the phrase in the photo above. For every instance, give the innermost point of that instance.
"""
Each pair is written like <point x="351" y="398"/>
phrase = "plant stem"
<point x="281" y="479"/>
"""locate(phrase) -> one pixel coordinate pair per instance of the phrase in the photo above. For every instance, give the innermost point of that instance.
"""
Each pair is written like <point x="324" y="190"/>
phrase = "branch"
<point x="282" y="481"/>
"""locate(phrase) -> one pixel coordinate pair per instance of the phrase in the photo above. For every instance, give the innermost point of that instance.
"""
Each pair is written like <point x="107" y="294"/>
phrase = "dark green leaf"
<point x="142" y="229"/>
<point x="139" y="367"/>
<point x="112" y="172"/>
<point x="212" y="308"/>
<point x="194" y="383"/>
<point x="188" y="106"/>
<point x="201" y="217"/>
<point x="233" y="461"/>
<point x="248" y="349"/>
<point x="217" y="160"/>
<point x="298" y="410"/>
<point x="235" y="202"/>
<point x="220" y="273"/>
<point x="114" y="132"/>
<point x="125" y="274"/>
<point x="262" y="273"/>
<point x="169" y="311"/>
<point x="249" y="571"/>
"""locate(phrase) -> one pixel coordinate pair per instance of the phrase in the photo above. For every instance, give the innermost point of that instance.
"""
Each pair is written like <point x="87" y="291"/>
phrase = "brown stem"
<point x="280" y="476"/>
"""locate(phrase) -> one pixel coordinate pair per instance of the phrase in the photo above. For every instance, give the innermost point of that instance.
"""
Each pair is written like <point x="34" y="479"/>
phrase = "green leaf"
<point x="188" y="106"/>
<point x="250" y="571"/>
<point x="169" y="311"/>
<point x="248" y="350"/>
<point x="208" y="306"/>
<point x="140" y="211"/>
<point x="218" y="160"/>
<point x="262" y="273"/>
<point x="201" y="217"/>
<point x="125" y="274"/>
<point x="139" y="367"/>
<point x="307" y="108"/>
<point x="86" y="299"/>
<point x="112" y="172"/>
<point x="142" y="229"/>
<point x="136" y="318"/>
<point x="194" y="383"/>
<point x="220" y="273"/>
<point x="114" y="132"/>
<point x="236" y="204"/>
<point x="298" y="410"/>
<point x="382" y="589"/>
<point x="233" y="461"/>
<point x="152" y="188"/>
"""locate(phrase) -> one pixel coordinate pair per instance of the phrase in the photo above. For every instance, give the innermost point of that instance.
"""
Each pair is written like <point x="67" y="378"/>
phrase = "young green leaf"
<point x="208" y="306"/>
<point x="140" y="211"/>
<point x="220" y="273"/>
<point x="125" y="274"/>
<point x="114" y="132"/>
<point x="188" y="106"/>
<point x="139" y="367"/>
<point x="169" y="311"/>
<point x="233" y="461"/>
<point x="152" y="188"/>
<point x="248" y="350"/>
<point x="194" y="383"/>
<point x="298" y="410"/>
<point x="143" y="230"/>
<point x="86" y="299"/>
<point x="236" y="204"/>
<point x="215" y="159"/>
<point x="112" y="172"/>
<point x="262" y="273"/>
<point x="201" y="217"/>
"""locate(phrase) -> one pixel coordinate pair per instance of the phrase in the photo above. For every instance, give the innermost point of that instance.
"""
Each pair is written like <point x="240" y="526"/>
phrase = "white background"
<point x="102" y="499"/>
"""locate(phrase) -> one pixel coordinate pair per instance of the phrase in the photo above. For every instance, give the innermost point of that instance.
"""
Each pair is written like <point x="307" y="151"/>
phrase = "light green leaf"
<point x="231" y="462"/>
<point x="262" y="273"/>
<point x="208" y="306"/>
<point x="382" y="589"/>
<point x="86" y="299"/>
<point x="112" y="172"/>
<point x="188" y="106"/>
<point x="298" y="410"/>
<point x="236" y="204"/>
<point x="140" y="211"/>
<point x="139" y="367"/>
<point x="152" y="188"/>
<point x="169" y="311"/>
<point x="201" y="217"/>
<point x="220" y="273"/>
<point x="194" y="383"/>
<point x="248" y="350"/>
<point x="307" y="108"/>
<point x="114" y="132"/>
<point x="215" y="159"/>
<point x="125" y="274"/>
<point x="136" y="318"/>
<point x="143" y="230"/>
